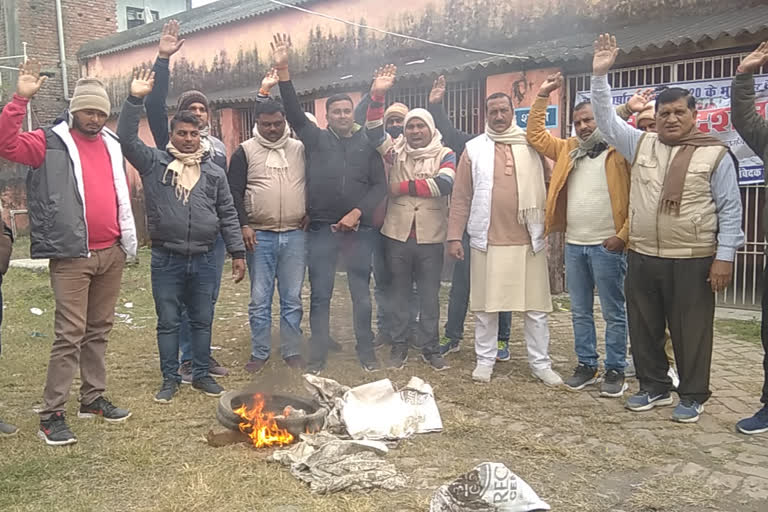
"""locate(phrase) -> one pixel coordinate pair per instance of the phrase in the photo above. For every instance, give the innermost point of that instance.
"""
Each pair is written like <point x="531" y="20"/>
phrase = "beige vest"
<point x="692" y="233"/>
<point x="429" y="215"/>
<point x="275" y="201"/>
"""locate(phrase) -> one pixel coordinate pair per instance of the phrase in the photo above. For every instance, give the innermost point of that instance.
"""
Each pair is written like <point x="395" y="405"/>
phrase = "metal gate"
<point x="746" y="288"/>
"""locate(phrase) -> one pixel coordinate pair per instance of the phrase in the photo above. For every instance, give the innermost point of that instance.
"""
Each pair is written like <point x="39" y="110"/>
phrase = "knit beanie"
<point x="189" y="97"/>
<point x="649" y="112"/>
<point x="395" y="109"/>
<point x="90" y="94"/>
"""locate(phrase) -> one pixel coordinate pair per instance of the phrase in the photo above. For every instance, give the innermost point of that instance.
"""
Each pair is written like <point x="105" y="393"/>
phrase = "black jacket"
<point x="342" y="173"/>
<point x="189" y="228"/>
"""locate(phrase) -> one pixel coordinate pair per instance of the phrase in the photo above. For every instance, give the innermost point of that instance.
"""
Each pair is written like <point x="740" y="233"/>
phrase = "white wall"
<point x="164" y="7"/>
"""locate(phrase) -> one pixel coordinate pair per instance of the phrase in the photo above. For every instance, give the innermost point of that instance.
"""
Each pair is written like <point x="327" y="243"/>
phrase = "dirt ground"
<point x="579" y="452"/>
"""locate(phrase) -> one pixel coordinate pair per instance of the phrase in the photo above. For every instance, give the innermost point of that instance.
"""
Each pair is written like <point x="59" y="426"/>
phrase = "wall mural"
<point x="477" y="23"/>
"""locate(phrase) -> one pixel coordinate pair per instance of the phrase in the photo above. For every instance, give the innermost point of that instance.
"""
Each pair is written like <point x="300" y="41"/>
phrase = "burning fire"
<point x="260" y="425"/>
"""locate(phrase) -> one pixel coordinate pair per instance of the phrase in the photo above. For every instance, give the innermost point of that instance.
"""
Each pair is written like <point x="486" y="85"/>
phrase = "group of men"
<point x="659" y="206"/>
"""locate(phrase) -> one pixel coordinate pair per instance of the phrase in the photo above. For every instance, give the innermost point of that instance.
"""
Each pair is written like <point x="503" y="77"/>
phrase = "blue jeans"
<point x="220" y="253"/>
<point x="458" y="300"/>
<point x="276" y="256"/>
<point x="384" y="294"/>
<point x="180" y="282"/>
<point x="587" y="266"/>
<point x="356" y="249"/>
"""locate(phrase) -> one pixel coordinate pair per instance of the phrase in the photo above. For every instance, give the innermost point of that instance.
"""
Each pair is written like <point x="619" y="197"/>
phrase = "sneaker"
<point x="643" y="401"/>
<point x="295" y="362"/>
<point x="55" y="431"/>
<point x="104" y="408"/>
<point x="582" y="377"/>
<point x="613" y="385"/>
<point x="167" y="392"/>
<point x="334" y="346"/>
<point x="7" y="430"/>
<point x="435" y="361"/>
<point x="672" y="373"/>
<point x="382" y="339"/>
<point x="482" y="373"/>
<point x="502" y="353"/>
<point x="548" y="376"/>
<point x="255" y="365"/>
<point x="315" y="367"/>
<point x="630" y="371"/>
<point x="398" y="357"/>
<point x="448" y="346"/>
<point x="185" y="370"/>
<point x="208" y="386"/>
<point x="370" y="363"/>
<point x="215" y="369"/>
<point x="687" y="411"/>
<point x="756" y="424"/>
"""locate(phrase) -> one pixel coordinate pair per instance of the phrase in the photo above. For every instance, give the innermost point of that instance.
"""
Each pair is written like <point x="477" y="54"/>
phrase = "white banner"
<point x="714" y="107"/>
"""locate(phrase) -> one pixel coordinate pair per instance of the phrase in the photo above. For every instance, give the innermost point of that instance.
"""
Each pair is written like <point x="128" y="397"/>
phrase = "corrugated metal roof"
<point x="194" y="20"/>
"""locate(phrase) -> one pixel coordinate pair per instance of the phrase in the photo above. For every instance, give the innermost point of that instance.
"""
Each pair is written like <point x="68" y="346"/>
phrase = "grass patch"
<point x="746" y="330"/>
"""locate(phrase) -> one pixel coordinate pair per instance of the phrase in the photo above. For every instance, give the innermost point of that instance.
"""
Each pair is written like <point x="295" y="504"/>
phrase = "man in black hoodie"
<point x="345" y="183"/>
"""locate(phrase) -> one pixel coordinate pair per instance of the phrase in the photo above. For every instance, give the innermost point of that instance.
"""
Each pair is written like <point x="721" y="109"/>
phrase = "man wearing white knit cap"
<point x="80" y="218"/>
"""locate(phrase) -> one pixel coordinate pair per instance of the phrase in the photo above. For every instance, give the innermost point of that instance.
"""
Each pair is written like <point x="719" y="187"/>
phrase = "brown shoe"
<point x="255" y="365"/>
<point x="296" y="362"/>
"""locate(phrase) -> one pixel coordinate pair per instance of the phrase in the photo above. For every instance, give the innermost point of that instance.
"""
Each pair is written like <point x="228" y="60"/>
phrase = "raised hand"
<point x="281" y="50"/>
<point x="169" y="41"/>
<point x="606" y="51"/>
<point x="755" y="60"/>
<point x="143" y="82"/>
<point x="552" y="83"/>
<point x="383" y="80"/>
<point x="639" y="100"/>
<point x="438" y="91"/>
<point x="270" y="80"/>
<point x="30" y="80"/>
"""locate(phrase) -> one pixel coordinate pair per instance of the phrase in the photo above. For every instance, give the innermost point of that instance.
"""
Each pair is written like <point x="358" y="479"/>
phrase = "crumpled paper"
<point x="329" y="464"/>
<point x="330" y="395"/>
<point x="489" y="487"/>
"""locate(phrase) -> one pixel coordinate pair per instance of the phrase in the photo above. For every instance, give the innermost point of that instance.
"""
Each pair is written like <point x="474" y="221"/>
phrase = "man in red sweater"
<point x="81" y="220"/>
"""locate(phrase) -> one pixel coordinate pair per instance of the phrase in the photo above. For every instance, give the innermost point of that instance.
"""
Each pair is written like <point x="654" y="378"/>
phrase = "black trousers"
<point x="409" y="261"/>
<point x="676" y="292"/>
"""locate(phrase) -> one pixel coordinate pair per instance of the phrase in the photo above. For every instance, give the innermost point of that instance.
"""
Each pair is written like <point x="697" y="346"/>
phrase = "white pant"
<point x="536" y="332"/>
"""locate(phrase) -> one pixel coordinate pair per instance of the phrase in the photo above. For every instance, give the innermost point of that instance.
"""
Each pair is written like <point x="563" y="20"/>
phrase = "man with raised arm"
<point x="188" y="204"/>
<point x="80" y="218"/>
<point x="157" y="117"/>
<point x="684" y="230"/>
<point x="345" y="184"/>
<point x="753" y="128"/>
<point x="421" y="176"/>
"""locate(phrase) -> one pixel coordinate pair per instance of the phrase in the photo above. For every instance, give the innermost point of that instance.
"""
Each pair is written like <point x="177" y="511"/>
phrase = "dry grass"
<point x="573" y="449"/>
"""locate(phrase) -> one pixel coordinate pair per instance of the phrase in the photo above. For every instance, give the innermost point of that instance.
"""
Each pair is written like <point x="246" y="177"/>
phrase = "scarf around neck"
<point x="276" y="160"/>
<point x="529" y="172"/>
<point x="420" y="160"/>
<point x="185" y="171"/>
<point x="593" y="146"/>
<point x="674" y="181"/>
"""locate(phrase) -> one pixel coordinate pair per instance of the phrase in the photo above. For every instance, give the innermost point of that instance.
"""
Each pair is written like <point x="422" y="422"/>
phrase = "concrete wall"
<point x="164" y="8"/>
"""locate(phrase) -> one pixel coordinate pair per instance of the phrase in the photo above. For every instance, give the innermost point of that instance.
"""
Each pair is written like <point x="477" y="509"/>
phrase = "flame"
<point x="260" y="426"/>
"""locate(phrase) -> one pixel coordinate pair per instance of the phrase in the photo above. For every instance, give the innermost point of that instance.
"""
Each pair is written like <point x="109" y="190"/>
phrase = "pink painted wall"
<point x="230" y="128"/>
<point x="526" y="84"/>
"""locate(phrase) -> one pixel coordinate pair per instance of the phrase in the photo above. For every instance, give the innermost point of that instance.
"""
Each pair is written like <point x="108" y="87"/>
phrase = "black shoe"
<point x="398" y="357"/>
<point x="613" y="385"/>
<point x="55" y="431"/>
<point x="167" y="392"/>
<point x="582" y="377"/>
<point x="315" y="367"/>
<point x="208" y="386"/>
<point x="185" y="370"/>
<point x="382" y="339"/>
<point x="334" y="346"/>
<point x="436" y="361"/>
<point x="104" y="408"/>
<point x="370" y="363"/>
